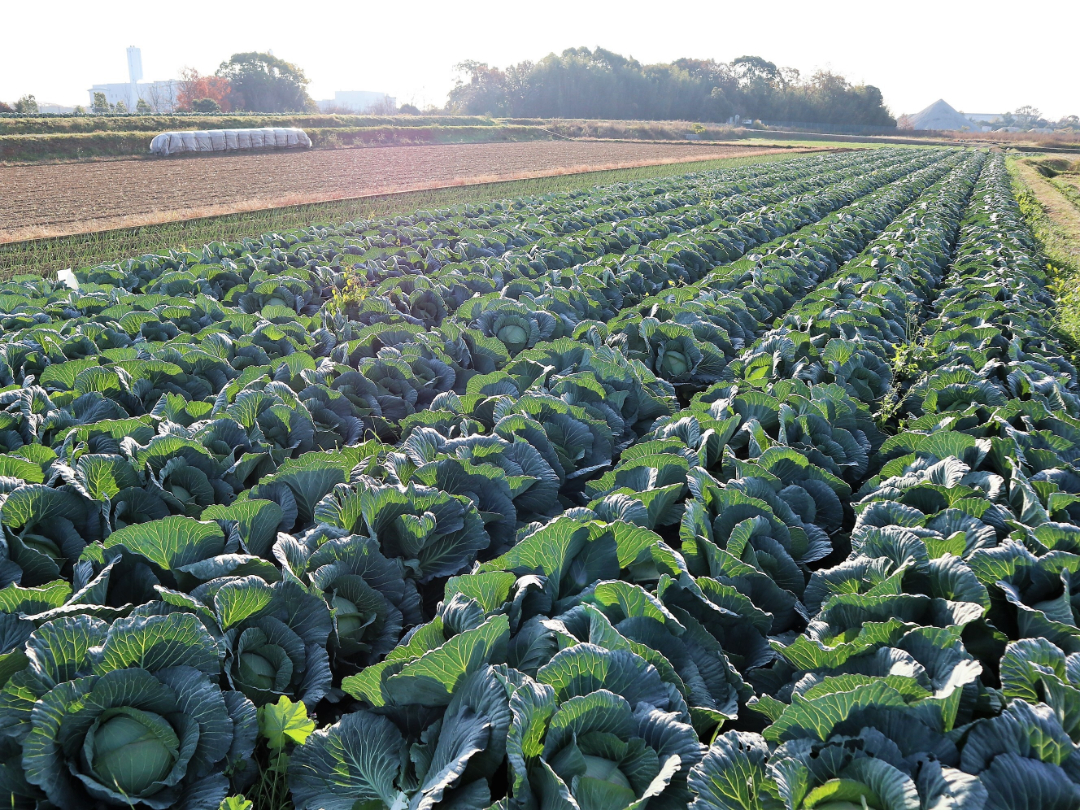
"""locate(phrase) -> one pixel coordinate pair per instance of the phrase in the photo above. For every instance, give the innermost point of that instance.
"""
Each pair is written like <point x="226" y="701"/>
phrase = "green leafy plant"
<point x="282" y="726"/>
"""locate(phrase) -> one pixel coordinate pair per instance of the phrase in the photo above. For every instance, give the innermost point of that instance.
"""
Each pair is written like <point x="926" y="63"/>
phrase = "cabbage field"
<point x="746" y="489"/>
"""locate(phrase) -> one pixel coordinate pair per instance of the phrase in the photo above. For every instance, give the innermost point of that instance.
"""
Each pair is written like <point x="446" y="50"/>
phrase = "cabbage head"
<point x="122" y="719"/>
<point x="599" y="730"/>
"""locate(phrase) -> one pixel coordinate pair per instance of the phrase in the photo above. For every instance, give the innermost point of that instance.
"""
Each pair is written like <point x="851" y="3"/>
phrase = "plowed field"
<point x="71" y="198"/>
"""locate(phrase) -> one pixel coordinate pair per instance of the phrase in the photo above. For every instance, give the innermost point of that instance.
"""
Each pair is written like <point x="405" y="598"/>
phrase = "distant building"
<point x="55" y="109"/>
<point x="359" y="101"/>
<point x="988" y="118"/>
<point x="160" y="96"/>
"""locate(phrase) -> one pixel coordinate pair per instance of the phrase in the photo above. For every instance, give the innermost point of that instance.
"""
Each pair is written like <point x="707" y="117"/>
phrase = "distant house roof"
<point x="939" y="115"/>
<point x="988" y="117"/>
<point x="53" y="107"/>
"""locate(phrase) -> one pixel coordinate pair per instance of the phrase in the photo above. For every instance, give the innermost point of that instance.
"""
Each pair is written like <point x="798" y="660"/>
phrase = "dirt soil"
<point x="73" y="198"/>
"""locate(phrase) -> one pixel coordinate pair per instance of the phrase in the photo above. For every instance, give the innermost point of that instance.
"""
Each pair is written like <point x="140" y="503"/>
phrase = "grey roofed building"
<point x="54" y="108"/>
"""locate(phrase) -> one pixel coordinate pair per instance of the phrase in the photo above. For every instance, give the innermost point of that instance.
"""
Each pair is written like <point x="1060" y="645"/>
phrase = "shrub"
<point x="205" y="105"/>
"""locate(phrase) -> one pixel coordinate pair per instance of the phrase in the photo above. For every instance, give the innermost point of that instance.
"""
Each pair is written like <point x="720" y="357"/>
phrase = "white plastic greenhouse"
<point x="228" y="140"/>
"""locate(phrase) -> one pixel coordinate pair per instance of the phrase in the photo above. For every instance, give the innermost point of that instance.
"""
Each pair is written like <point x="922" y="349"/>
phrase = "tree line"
<point x="27" y="105"/>
<point x="1029" y="117"/>
<point x="252" y="82"/>
<point x="583" y="83"/>
<point x="578" y="83"/>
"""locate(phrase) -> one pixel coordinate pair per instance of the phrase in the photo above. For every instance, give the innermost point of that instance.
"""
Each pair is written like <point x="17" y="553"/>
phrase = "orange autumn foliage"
<point x="194" y="86"/>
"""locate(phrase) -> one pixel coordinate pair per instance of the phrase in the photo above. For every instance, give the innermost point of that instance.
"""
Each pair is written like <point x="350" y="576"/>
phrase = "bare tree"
<point x="385" y="106"/>
<point x="789" y="77"/>
<point x="161" y="96"/>
<point x="189" y="80"/>
<point x="1027" y="116"/>
<point x="27" y="105"/>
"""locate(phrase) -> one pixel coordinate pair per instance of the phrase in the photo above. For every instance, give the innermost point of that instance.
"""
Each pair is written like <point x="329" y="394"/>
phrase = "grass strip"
<point x="61" y="124"/>
<point x="1069" y="186"/>
<point x="18" y="150"/>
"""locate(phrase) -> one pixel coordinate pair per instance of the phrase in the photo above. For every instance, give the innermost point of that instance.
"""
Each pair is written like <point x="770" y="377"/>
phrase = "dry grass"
<point x="1044" y="140"/>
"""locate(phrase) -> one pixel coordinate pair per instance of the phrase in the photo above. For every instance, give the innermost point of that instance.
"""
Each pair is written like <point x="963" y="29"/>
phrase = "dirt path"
<point x="62" y="199"/>
<point x="1062" y="213"/>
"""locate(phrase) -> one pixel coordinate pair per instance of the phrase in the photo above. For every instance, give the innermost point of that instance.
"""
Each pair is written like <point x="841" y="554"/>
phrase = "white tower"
<point x="135" y="74"/>
<point x="134" y="64"/>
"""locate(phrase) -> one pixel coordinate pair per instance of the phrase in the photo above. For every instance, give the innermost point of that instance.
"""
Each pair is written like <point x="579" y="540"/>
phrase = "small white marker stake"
<point x="67" y="278"/>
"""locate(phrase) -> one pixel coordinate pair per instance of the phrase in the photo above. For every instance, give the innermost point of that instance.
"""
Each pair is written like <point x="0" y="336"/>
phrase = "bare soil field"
<point x="73" y="198"/>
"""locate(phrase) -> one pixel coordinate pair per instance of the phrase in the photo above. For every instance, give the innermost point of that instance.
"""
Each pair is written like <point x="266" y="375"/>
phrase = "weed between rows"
<point x="911" y="357"/>
<point x="913" y="362"/>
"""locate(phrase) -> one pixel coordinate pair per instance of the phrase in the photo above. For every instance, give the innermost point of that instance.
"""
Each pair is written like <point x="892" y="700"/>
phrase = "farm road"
<point x="73" y="198"/>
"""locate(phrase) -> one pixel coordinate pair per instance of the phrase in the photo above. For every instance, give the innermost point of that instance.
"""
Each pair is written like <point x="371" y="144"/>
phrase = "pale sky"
<point x="975" y="57"/>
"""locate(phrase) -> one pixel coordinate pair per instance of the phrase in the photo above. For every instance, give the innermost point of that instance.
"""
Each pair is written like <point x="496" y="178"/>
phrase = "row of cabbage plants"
<point x="94" y="385"/>
<point x="607" y="587"/>
<point x="929" y="673"/>
<point x="938" y="665"/>
<point x="584" y="556"/>
<point x="611" y="568"/>
<point x="427" y="240"/>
